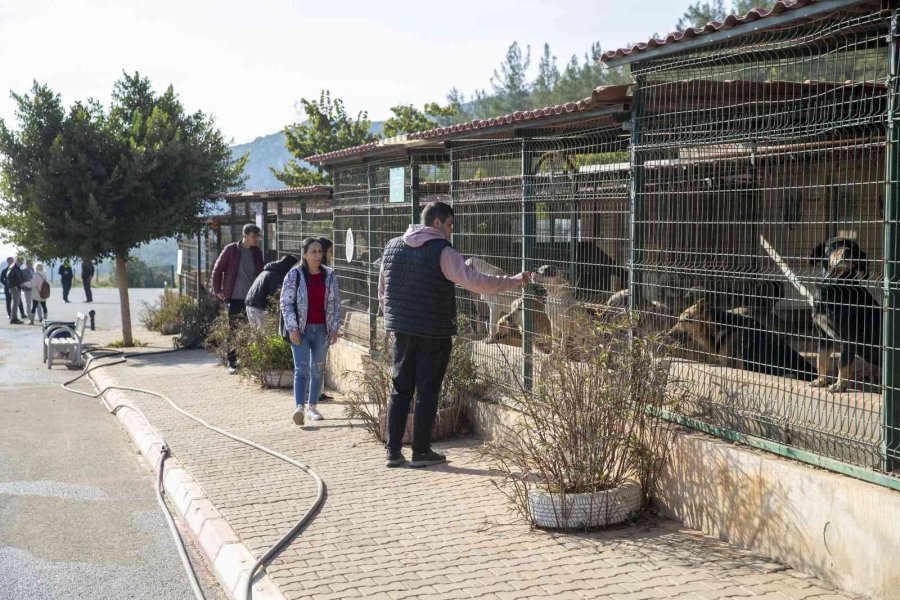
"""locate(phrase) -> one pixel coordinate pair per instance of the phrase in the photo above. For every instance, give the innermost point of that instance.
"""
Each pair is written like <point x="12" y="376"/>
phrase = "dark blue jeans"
<point x="309" y="364"/>
<point x="419" y="366"/>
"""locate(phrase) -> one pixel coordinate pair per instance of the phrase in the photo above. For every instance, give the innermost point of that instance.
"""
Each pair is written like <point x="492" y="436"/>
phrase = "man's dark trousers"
<point x="235" y="316"/>
<point x="8" y="300"/>
<point x="419" y="366"/>
<point x="86" y="281"/>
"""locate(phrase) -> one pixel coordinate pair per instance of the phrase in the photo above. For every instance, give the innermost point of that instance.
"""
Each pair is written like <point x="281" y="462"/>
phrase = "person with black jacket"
<point x="9" y="263"/>
<point x="14" y="281"/>
<point x="65" y="277"/>
<point x="87" y="273"/>
<point x="265" y="286"/>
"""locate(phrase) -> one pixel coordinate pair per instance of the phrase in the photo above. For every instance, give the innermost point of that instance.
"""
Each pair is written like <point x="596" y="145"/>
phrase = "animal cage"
<point x="550" y="201"/>
<point x="759" y="226"/>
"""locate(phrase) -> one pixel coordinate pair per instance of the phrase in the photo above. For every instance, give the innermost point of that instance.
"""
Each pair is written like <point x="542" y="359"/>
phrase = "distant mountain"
<point x="269" y="151"/>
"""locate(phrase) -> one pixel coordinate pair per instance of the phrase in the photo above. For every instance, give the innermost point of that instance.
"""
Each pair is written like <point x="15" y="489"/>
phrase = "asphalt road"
<point x="78" y="513"/>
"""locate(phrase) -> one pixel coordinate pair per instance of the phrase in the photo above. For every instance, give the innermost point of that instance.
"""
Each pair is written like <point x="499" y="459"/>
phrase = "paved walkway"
<point x="439" y="533"/>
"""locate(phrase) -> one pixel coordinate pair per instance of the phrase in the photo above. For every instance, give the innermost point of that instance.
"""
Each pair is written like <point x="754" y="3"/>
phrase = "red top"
<point x="315" y="293"/>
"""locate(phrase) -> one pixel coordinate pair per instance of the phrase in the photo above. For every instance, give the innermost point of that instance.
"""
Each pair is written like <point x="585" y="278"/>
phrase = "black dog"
<point x="844" y="310"/>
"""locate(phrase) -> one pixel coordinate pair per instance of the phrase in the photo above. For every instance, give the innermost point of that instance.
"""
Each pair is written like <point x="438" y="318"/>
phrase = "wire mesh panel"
<point x="300" y="219"/>
<point x="759" y="228"/>
<point x="557" y="204"/>
<point x="351" y="256"/>
<point x="188" y="247"/>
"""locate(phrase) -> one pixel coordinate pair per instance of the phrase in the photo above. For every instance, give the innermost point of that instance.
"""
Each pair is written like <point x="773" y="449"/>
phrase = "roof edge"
<point x="781" y="13"/>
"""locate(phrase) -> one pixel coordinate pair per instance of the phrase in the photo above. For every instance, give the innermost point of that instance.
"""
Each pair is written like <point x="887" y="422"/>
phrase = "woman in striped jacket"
<point x="311" y="310"/>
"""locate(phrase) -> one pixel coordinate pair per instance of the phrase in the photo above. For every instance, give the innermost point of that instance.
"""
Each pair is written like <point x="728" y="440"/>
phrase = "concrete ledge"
<point x="343" y="357"/>
<point x="842" y="530"/>
<point x="230" y="560"/>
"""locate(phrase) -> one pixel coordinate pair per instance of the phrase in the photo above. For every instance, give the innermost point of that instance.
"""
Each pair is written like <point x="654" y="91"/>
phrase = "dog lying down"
<point x="738" y="341"/>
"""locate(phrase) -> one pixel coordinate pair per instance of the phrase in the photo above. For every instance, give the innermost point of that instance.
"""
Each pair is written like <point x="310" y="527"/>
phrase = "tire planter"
<point x="279" y="379"/>
<point x="584" y="511"/>
<point x="445" y="424"/>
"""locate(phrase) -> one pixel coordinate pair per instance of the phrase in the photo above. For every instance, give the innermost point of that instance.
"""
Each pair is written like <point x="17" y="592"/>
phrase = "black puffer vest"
<point x="418" y="299"/>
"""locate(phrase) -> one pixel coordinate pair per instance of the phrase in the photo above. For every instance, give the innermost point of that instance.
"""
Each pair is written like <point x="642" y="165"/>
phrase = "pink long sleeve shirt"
<point x="454" y="267"/>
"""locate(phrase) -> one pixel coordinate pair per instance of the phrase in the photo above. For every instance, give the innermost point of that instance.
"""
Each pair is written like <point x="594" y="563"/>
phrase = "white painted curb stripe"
<point x="220" y="544"/>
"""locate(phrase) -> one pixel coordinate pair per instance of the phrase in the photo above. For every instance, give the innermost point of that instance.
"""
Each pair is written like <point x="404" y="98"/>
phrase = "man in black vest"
<point x="417" y="295"/>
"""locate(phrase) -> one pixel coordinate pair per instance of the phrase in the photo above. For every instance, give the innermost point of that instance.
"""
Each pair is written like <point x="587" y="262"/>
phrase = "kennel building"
<point x="534" y="188"/>
<point x="756" y="143"/>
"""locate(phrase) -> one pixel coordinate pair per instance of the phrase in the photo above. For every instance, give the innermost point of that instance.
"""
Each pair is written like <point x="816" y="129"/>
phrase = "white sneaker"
<point x="314" y="415"/>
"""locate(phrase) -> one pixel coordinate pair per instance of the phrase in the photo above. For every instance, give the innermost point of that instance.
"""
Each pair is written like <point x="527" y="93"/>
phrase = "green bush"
<point x="169" y="314"/>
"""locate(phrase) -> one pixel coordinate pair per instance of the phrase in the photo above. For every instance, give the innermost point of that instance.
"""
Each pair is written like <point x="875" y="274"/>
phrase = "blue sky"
<point x="247" y="63"/>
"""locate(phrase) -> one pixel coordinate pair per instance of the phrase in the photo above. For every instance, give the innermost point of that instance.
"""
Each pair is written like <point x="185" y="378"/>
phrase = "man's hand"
<point x="527" y="277"/>
<point x="220" y="296"/>
<point x="295" y="337"/>
<point x="332" y="339"/>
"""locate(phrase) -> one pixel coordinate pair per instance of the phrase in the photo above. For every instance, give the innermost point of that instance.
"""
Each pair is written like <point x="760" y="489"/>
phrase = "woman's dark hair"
<point x="304" y="247"/>
<point x="326" y="244"/>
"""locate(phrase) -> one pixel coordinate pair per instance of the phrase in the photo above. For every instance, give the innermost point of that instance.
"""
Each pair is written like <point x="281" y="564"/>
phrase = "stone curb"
<point x="229" y="558"/>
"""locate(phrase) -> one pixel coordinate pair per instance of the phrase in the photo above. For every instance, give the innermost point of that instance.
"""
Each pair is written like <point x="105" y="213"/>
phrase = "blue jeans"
<point x="309" y="364"/>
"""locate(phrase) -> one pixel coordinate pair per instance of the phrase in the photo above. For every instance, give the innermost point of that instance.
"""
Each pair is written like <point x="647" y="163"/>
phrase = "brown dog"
<point x="511" y="326"/>
<point x="738" y="341"/>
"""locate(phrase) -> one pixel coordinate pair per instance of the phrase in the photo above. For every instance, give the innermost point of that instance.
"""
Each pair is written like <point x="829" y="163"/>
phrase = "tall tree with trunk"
<point x="96" y="182"/>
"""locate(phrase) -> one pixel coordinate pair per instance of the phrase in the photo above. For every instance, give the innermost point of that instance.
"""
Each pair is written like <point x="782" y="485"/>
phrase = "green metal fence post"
<point x="371" y="276"/>
<point x="265" y="230"/>
<point x="890" y="378"/>
<point x="636" y="167"/>
<point x="529" y="227"/>
<point x="199" y="260"/>
<point x="414" y="187"/>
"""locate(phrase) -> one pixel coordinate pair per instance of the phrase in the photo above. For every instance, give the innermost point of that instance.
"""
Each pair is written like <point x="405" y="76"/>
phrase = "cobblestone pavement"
<point x="443" y="532"/>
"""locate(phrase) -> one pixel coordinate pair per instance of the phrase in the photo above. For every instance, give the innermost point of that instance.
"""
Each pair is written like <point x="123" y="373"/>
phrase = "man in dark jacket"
<point x="87" y="273"/>
<point x="233" y="274"/>
<point x="65" y="276"/>
<point x="9" y="263"/>
<point x="417" y="296"/>
<point x="14" y="281"/>
<point x="267" y="285"/>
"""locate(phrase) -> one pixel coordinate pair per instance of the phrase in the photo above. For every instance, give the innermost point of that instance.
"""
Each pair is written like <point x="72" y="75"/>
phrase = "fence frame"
<point x="890" y="369"/>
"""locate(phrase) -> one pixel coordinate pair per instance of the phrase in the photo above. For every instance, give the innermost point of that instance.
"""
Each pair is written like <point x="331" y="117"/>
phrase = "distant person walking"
<point x="39" y="286"/>
<point x="87" y="273"/>
<point x="232" y="276"/>
<point x="65" y="278"/>
<point x="327" y="258"/>
<point x="9" y="263"/>
<point x="267" y="284"/>
<point x="27" y="274"/>
<point x="14" y="281"/>
<point x="311" y="309"/>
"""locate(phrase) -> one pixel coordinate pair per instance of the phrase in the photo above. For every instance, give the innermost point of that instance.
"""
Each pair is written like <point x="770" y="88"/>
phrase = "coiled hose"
<point x="182" y="551"/>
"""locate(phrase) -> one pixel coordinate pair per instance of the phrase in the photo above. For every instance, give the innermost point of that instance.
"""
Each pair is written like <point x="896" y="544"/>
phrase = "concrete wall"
<point x="343" y="357"/>
<point x="840" y="529"/>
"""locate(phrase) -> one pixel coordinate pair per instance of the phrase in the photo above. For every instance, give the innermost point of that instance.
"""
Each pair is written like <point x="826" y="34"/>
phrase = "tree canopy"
<point x="95" y="182"/>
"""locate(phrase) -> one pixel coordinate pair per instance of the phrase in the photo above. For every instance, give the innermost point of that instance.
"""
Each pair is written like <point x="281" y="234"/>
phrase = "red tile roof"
<point x="310" y="190"/>
<point x="602" y="96"/>
<point x="690" y="33"/>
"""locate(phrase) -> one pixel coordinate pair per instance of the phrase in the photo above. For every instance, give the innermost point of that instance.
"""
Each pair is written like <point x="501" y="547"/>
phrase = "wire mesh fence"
<point x="759" y="167"/>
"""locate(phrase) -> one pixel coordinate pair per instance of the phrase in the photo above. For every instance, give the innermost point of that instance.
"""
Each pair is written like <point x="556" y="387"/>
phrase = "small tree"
<point x="94" y="183"/>
<point x="408" y="119"/>
<point x="327" y="128"/>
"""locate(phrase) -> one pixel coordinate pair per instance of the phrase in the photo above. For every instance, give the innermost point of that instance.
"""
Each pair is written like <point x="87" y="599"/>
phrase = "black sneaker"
<point x="426" y="459"/>
<point x="395" y="458"/>
<point x="323" y="397"/>
<point x="232" y="369"/>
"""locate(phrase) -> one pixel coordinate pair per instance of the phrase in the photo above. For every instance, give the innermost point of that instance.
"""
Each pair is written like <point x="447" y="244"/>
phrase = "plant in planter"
<point x="262" y="354"/>
<point x="589" y="439"/>
<point x="371" y="390"/>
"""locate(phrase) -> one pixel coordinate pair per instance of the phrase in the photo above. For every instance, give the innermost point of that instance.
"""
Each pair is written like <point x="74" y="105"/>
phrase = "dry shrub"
<point x="370" y="387"/>
<point x="591" y="424"/>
